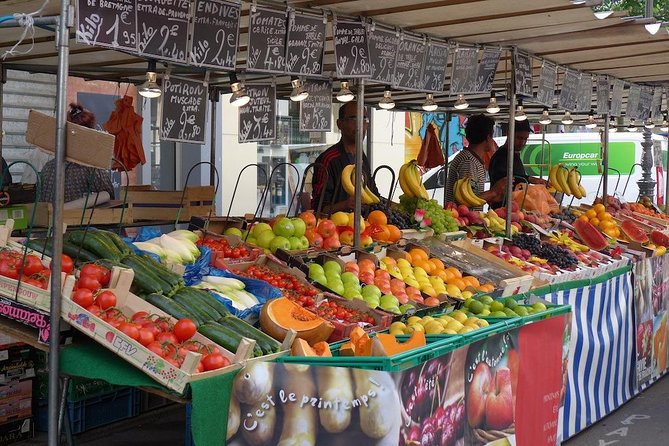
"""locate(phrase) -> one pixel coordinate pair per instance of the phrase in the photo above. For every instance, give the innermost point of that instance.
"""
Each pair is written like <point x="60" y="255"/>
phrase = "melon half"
<point x="278" y="316"/>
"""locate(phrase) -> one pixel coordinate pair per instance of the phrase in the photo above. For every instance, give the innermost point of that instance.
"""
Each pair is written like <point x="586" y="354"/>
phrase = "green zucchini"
<point x="167" y="275"/>
<point x="225" y="337"/>
<point x="205" y="298"/>
<point x="116" y="240"/>
<point x="173" y="308"/>
<point x="94" y="244"/>
<point x="42" y="246"/>
<point x="267" y="343"/>
<point x="144" y="278"/>
<point x="203" y="312"/>
<point x="77" y="253"/>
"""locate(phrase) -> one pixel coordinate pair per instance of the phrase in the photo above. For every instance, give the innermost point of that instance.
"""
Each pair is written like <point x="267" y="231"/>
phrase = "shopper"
<point x="77" y="177"/>
<point x="469" y="161"/>
<point x="329" y="164"/>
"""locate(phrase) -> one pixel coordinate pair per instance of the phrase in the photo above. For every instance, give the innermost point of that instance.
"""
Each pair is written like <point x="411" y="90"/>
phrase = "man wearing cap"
<point x="497" y="168"/>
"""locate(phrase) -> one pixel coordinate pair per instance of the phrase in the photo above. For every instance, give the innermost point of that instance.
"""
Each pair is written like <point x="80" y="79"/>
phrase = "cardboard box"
<point x="15" y="409"/>
<point x="151" y="204"/>
<point x="17" y="363"/>
<point x="16" y="390"/>
<point x="19" y="213"/>
<point x="84" y="146"/>
<point x="106" y="214"/>
<point x="15" y="431"/>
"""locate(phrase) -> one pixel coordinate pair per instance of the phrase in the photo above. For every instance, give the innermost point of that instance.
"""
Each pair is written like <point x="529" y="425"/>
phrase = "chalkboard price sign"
<point x="569" y="91"/>
<point x="523" y="68"/>
<point x="215" y="34"/>
<point x="645" y="103"/>
<point x="656" y="107"/>
<point x="617" y="97"/>
<point x="465" y="70"/>
<point x="409" y="64"/>
<point x="485" y="75"/>
<point x="305" y="45"/>
<point x="547" y="80"/>
<point x="351" y="49"/>
<point x="584" y="95"/>
<point x="603" y="93"/>
<point x="382" y="50"/>
<point x="184" y="110"/>
<point x="162" y="29"/>
<point x="434" y="70"/>
<point x="267" y="41"/>
<point x="633" y="97"/>
<point x="316" y="110"/>
<point x="109" y="24"/>
<point x="257" y="119"/>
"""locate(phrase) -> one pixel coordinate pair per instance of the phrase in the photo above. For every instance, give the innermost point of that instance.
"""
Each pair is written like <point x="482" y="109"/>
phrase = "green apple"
<point x="265" y="239"/>
<point x="320" y="278"/>
<point x="252" y="241"/>
<point x="539" y="306"/>
<point x="509" y="312"/>
<point x="371" y="290"/>
<point x="371" y="301"/>
<point x="279" y="242"/>
<point x="394" y="309"/>
<point x="295" y="243"/>
<point x="476" y="307"/>
<point x="337" y="288"/>
<point x="407" y="308"/>
<point x="388" y="300"/>
<point x="284" y="227"/>
<point x="349" y="277"/>
<point x="304" y="242"/>
<point x="486" y="299"/>
<point x="521" y="311"/>
<point x="233" y="231"/>
<point x="331" y="265"/>
<point x="315" y="268"/>
<point x="299" y="227"/>
<point x="498" y="314"/>
<point x="259" y="228"/>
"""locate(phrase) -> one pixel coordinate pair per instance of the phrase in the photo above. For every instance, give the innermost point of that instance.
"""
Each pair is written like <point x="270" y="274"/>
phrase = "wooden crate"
<point x="72" y="217"/>
<point x="150" y="204"/>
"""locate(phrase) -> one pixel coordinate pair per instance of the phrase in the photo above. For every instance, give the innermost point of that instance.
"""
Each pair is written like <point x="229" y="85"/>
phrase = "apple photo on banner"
<point x="432" y="401"/>
<point x="491" y="377"/>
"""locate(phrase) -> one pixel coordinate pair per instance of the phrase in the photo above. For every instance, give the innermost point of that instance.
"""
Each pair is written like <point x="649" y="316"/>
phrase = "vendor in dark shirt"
<point x="497" y="168"/>
<point x="333" y="161"/>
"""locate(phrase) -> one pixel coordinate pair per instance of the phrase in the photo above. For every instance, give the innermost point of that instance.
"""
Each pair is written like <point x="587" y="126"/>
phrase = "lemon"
<point x="398" y="326"/>
<point x="455" y="325"/>
<point x="482" y="323"/>
<point x="414" y="327"/>
<point x="453" y="291"/>
<point x="465" y="329"/>
<point x="449" y="331"/>
<point x="459" y="316"/>
<point x="413" y="320"/>
<point x="433" y="327"/>
<point x="466" y="294"/>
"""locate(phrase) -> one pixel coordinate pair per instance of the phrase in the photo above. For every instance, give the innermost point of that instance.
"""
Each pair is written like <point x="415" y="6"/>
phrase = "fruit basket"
<point x="227" y="249"/>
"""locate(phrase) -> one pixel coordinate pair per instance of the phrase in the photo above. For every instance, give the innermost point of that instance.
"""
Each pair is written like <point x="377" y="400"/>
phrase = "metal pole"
<point x="212" y="141"/>
<point x="543" y="154"/>
<point x="359" y="139"/>
<point x="62" y="42"/>
<point x="511" y="134"/>
<point x="3" y="79"/>
<point x="448" y="136"/>
<point x="666" y="188"/>
<point x="605" y="161"/>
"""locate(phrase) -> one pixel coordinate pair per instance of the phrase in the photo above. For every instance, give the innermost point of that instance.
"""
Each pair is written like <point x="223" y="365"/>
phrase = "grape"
<point x="556" y="255"/>
<point x="441" y="219"/>
<point x="395" y="216"/>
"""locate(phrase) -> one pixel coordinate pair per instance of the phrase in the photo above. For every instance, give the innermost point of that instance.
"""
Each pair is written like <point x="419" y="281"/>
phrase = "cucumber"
<point x="116" y="240"/>
<point x="144" y="278"/>
<point x="42" y="245"/>
<point x="267" y="343"/>
<point x="169" y="276"/>
<point x="225" y="337"/>
<point x="94" y="244"/>
<point x="203" y="312"/>
<point x="80" y="255"/>
<point x="205" y="298"/>
<point x="171" y="307"/>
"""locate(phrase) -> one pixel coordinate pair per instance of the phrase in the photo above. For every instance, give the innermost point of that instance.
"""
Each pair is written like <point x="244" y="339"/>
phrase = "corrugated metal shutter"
<point x="23" y="92"/>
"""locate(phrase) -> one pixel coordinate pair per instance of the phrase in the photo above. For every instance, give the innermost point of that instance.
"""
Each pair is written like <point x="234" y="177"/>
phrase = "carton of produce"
<point x="149" y="361"/>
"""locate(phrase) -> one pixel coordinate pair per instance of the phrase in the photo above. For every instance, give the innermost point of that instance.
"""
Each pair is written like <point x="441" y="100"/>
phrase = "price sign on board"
<point x="485" y="74"/>
<point x="523" y="65"/>
<point x="464" y="71"/>
<point x="109" y="23"/>
<point x="162" y="29"/>
<point x="382" y="50"/>
<point x="184" y="110"/>
<point x="656" y="106"/>
<point x="603" y="93"/>
<point x="617" y="97"/>
<point x="316" y="110"/>
<point x="434" y="69"/>
<point x="633" y="97"/>
<point x="215" y="34"/>
<point x="351" y="49"/>
<point x="257" y="119"/>
<point x="569" y="90"/>
<point x="409" y="64"/>
<point x="547" y="80"/>
<point x="306" y="44"/>
<point x="584" y="94"/>
<point x="267" y="41"/>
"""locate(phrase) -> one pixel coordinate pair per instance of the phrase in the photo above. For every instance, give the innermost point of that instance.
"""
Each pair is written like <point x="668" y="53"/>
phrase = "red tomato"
<point x="156" y="347"/>
<point x="91" y="270"/>
<point x="166" y="337"/>
<point x="105" y="275"/>
<point x="150" y="326"/>
<point x="184" y="329"/>
<point x="31" y="281"/>
<point x="146" y="336"/>
<point x="131" y="330"/>
<point x="7" y="269"/>
<point x="139" y="317"/>
<point x="106" y="299"/>
<point x="32" y="265"/>
<point x="214" y="361"/>
<point x="66" y="264"/>
<point x="83" y="297"/>
<point x="89" y="282"/>
<point x="163" y="324"/>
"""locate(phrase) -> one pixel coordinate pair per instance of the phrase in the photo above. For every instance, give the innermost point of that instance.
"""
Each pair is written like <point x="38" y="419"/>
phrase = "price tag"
<point x="434" y="69"/>
<point x="523" y="68"/>
<point x="306" y="44"/>
<point x="464" y="71"/>
<point x="109" y="24"/>
<point x="316" y="110"/>
<point x="184" y="110"/>
<point x="603" y="93"/>
<point x="267" y="41"/>
<point x="584" y="94"/>
<point x="257" y="119"/>
<point x="409" y="64"/>
<point x="633" y="97"/>
<point x="351" y="49"/>
<point x="215" y="34"/>
<point x="487" y="68"/>
<point x="162" y="29"/>
<point x="547" y="81"/>
<point x="569" y="91"/>
<point x="382" y="51"/>
<point x="617" y="97"/>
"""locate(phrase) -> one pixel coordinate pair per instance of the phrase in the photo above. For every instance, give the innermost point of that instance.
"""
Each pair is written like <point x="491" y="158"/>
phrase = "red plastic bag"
<point x="430" y="154"/>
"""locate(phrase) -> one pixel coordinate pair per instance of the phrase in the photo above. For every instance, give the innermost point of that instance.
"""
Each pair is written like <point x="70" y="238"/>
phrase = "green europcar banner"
<point x="584" y="155"/>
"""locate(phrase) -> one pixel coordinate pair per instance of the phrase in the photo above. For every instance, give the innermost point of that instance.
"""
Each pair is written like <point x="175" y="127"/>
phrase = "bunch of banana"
<point x="574" y="183"/>
<point x="561" y="238"/>
<point x="566" y="181"/>
<point x="348" y="183"/>
<point x="465" y="195"/>
<point x="411" y="182"/>
<point x="495" y="223"/>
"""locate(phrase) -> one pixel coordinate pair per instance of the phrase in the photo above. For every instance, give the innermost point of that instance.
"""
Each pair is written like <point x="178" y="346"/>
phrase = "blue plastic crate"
<point x="98" y="411"/>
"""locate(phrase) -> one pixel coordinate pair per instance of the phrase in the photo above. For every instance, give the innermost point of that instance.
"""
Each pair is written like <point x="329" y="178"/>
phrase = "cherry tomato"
<point x="97" y="311"/>
<point x="139" y="316"/>
<point x="88" y="282"/>
<point x="8" y="269"/>
<point x="156" y="347"/>
<point x="167" y="337"/>
<point x="106" y="299"/>
<point x="184" y="329"/>
<point x="91" y="270"/>
<point x="32" y="265"/>
<point x="105" y="276"/>
<point x="66" y="264"/>
<point x="214" y="361"/>
<point x="145" y="336"/>
<point x="83" y="297"/>
<point x="131" y="330"/>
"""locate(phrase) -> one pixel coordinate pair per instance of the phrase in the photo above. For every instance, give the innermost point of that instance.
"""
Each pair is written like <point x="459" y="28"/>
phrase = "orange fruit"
<point x="382" y="234"/>
<point x="444" y="275"/>
<point x="471" y="281"/>
<point x="591" y="214"/>
<point x="408" y="257"/>
<point x="448" y="275"/>
<point x="377" y="217"/>
<point x="438" y="264"/>
<point x="458" y="283"/>
<point x="456" y="272"/>
<point x="598" y="208"/>
<point x="594" y="221"/>
<point x="611" y="232"/>
<point x="426" y="265"/>
<point x="417" y="253"/>
<point x="395" y="233"/>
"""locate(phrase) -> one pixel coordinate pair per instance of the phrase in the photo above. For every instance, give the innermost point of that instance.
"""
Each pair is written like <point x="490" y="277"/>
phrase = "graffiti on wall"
<point x="416" y="125"/>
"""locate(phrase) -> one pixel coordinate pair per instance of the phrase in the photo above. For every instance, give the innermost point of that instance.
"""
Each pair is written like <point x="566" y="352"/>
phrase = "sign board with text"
<point x="162" y="29"/>
<point x="184" y="110"/>
<point x="257" y="119"/>
<point x="215" y="34"/>
<point x="351" y="49"/>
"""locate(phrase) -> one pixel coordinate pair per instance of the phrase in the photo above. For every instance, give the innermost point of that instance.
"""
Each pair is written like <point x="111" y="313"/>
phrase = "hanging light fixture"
<point x="429" y="105"/>
<point x="649" y="124"/>
<point x="150" y="89"/>
<point x="545" y="117"/>
<point x="299" y="93"/>
<point x="613" y="125"/>
<point x="386" y="101"/>
<point x="239" y="97"/>
<point x="665" y="124"/>
<point x="461" y="103"/>
<point x="601" y="15"/>
<point x="567" y="119"/>
<point x="345" y="94"/>
<point x="520" y="112"/>
<point x="632" y="126"/>
<point x="492" y="107"/>
<point x="653" y="27"/>
<point x="591" y="124"/>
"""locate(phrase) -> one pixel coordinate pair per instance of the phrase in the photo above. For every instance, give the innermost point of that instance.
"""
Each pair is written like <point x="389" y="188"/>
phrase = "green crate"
<point x="436" y="345"/>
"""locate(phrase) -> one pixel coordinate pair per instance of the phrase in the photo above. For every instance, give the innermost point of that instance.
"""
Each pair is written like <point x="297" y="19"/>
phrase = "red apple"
<point x="309" y="219"/>
<point x="478" y="394"/>
<point x="332" y="242"/>
<point x="314" y="238"/>
<point x="352" y="266"/>
<point x="326" y="228"/>
<point x="366" y="277"/>
<point x="346" y="237"/>
<point x="499" y="404"/>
